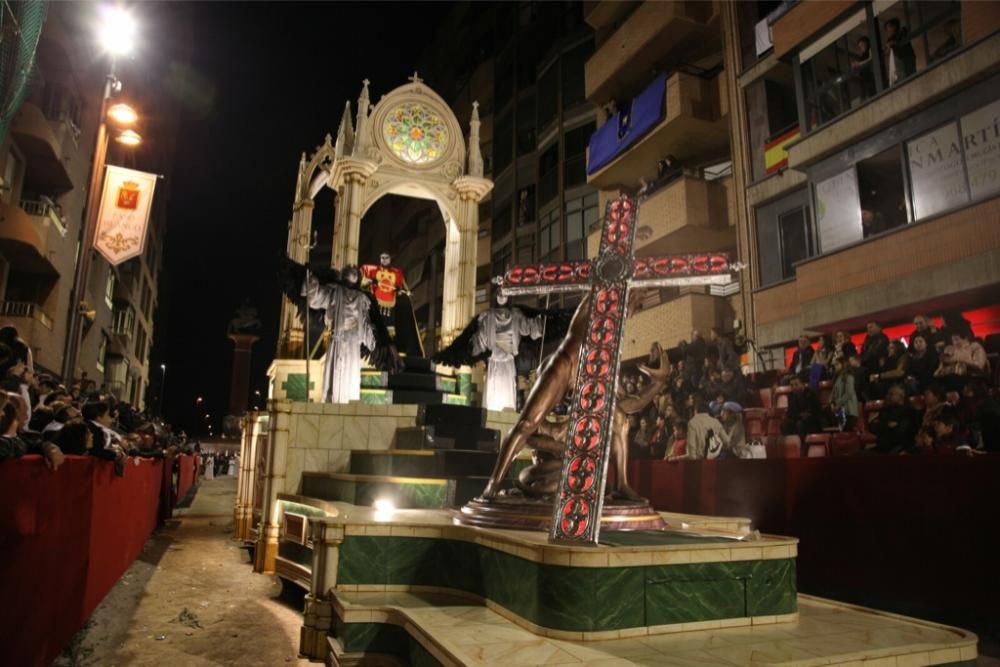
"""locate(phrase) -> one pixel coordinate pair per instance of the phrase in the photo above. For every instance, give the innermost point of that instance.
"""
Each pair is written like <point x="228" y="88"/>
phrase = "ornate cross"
<point x="415" y="78"/>
<point x="576" y="516"/>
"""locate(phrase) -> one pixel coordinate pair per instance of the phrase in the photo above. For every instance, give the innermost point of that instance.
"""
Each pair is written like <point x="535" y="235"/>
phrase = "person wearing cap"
<point x="732" y="420"/>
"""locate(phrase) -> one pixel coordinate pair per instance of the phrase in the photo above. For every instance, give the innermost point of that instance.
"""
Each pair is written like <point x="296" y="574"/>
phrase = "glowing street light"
<point x="122" y="114"/>
<point x="129" y="138"/>
<point x="116" y="32"/>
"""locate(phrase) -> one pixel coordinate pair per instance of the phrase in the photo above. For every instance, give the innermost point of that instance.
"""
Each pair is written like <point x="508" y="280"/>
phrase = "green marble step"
<point x="373" y="396"/>
<point x="403" y="492"/>
<point x="420" y="381"/>
<point x="422" y="462"/>
<point x="427" y="437"/>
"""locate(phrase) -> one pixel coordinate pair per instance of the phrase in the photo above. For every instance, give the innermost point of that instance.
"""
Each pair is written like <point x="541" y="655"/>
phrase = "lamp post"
<point x="163" y="384"/>
<point x="117" y="37"/>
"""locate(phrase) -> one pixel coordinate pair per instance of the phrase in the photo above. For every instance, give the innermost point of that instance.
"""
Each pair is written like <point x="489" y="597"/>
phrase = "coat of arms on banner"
<point x="124" y="214"/>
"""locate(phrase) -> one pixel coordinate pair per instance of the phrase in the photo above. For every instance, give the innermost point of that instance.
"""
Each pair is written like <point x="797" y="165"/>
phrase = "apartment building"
<point x="659" y="80"/>
<point x="45" y="164"/>
<point x="867" y="149"/>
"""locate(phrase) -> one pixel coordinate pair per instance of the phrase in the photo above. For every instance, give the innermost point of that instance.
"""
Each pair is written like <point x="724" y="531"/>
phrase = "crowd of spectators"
<point x="40" y="415"/>
<point x="928" y="391"/>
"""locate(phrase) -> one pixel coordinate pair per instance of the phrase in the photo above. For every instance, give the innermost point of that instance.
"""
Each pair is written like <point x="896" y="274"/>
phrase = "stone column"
<point x="299" y="234"/>
<point x="280" y="413"/>
<point x="239" y="385"/>
<point x="350" y="177"/>
<point x="460" y="256"/>
<point x="318" y="615"/>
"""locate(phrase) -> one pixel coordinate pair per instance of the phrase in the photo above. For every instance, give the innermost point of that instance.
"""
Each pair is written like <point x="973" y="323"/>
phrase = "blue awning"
<point x="631" y="123"/>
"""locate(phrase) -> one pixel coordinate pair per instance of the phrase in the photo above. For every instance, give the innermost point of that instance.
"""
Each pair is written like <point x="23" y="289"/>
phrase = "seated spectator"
<point x="658" y="437"/>
<point x="843" y="398"/>
<point x="640" y="440"/>
<point x="924" y="326"/>
<point x="801" y="361"/>
<point x="706" y="436"/>
<point x="923" y="363"/>
<point x="76" y="439"/>
<point x="724" y="349"/>
<point x="949" y="436"/>
<point x="962" y="359"/>
<point x="860" y="378"/>
<point x="935" y="401"/>
<point x="733" y="385"/>
<point x="895" y="426"/>
<point x="894" y="368"/>
<point x="985" y="419"/>
<point x="11" y="445"/>
<point x="736" y="437"/>
<point x="677" y="442"/>
<point x="679" y="393"/>
<point x="874" y="348"/>
<point x="843" y="348"/>
<point x="803" y="414"/>
<point x="822" y="361"/>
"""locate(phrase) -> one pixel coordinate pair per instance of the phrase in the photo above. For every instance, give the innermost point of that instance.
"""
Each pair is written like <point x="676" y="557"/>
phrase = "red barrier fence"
<point x="65" y="539"/>
<point x="911" y="534"/>
<point x="187" y="474"/>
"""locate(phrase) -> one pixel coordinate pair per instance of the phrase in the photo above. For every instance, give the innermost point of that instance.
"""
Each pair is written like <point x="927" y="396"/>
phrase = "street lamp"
<point x="163" y="382"/>
<point x="116" y="35"/>
<point x="129" y="138"/>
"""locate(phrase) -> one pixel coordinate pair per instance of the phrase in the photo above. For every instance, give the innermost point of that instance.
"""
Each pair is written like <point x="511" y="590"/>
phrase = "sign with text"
<point x="981" y="132"/>
<point x="936" y="171"/>
<point x="126" y="202"/>
<point x="838" y="210"/>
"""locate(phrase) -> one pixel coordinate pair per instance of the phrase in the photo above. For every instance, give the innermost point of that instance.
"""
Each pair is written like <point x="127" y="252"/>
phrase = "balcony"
<point x="654" y="36"/>
<point x="46" y="213"/>
<point x="42" y="142"/>
<point x="22" y="243"/>
<point x="695" y="124"/>
<point x="20" y="310"/>
<point x="686" y="215"/>
<point x="672" y="321"/>
<point x="804" y="20"/>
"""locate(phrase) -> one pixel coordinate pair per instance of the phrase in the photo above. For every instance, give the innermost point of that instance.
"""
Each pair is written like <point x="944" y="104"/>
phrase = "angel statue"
<point x="495" y="335"/>
<point x="354" y="327"/>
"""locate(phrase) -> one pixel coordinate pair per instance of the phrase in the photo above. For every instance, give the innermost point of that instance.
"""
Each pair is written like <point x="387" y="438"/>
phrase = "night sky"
<point x="277" y="77"/>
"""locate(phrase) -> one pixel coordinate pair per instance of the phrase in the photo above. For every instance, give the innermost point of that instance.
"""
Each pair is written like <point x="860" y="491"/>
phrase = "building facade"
<point x="659" y="80"/>
<point x="45" y="164"/>
<point x="867" y="149"/>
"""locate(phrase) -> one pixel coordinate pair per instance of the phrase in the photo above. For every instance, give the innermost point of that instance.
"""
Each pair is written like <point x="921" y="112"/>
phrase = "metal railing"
<point x="44" y="208"/>
<point x="24" y="309"/>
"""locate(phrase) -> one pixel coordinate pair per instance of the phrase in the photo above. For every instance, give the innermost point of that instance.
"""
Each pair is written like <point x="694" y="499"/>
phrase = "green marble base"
<point x="573" y="599"/>
<point x="404" y="492"/>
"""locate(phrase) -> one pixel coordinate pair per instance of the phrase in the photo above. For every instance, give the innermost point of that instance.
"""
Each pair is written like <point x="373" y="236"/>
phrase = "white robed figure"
<point x="499" y="333"/>
<point x="347" y="319"/>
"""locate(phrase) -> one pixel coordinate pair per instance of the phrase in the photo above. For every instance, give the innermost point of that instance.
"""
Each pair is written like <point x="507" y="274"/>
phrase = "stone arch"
<point x="366" y="162"/>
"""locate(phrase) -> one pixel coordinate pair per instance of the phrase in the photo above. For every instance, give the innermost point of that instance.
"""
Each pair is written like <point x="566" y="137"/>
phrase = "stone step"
<point x="402" y="492"/>
<point x="422" y="462"/>
<point x="426" y="437"/>
<point x="451" y="419"/>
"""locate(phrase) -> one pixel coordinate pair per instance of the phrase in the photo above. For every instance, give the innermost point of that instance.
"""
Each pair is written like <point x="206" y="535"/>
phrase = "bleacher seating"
<point x="817" y="445"/>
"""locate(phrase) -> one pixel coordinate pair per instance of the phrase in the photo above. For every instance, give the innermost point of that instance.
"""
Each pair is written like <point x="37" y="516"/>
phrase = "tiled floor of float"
<point x="826" y="633"/>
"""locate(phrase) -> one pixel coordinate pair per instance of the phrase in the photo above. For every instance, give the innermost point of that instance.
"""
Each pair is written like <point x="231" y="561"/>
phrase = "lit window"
<point x="415" y="133"/>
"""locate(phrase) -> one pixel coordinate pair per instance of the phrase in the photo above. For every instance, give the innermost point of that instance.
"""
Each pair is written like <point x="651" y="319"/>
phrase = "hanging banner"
<point x="122" y="220"/>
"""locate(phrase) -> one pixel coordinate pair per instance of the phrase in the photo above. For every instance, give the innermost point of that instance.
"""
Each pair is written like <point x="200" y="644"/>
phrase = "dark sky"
<point x="280" y="74"/>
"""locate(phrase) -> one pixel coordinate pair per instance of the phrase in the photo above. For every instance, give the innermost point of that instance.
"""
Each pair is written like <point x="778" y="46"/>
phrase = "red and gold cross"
<point x="576" y="517"/>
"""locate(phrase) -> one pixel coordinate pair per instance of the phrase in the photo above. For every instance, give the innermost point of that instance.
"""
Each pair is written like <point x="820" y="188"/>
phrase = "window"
<point x="981" y="131"/>
<point x="784" y="237"/>
<point x="501" y="260"/>
<point x="102" y="352"/>
<point x="526" y="142"/>
<point x="581" y="216"/>
<point x="140" y="342"/>
<point x="502" y="220"/>
<point x="916" y="34"/>
<point x="576" y="155"/>
<point x="109" y="288"/>
<point x="485" y="210"/>
<point x="881" y="192"/>
<point x="503" y="140"/>
<point x="525" y="250"/>
<point x="548" y="174"/>
<point x="548" y="97"/>
<point x="572" y="63"/>
<point x="772" y="120"/>
<point x="839" y="70"/>
<point x="548" y="234"/>
<point x="526" y="205"/>
<point x="504" y="80"/>
<point x="937" y="172"/>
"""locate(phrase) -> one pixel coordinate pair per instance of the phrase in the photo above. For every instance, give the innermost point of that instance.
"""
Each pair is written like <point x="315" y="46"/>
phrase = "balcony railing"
<point x="46" y="210"/>
<point x="24" y="309"/>
<point x="124" y="323"/>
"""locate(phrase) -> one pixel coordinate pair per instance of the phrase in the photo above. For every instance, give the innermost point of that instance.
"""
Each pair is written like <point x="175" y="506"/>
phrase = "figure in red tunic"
<point x="388" y="285"/>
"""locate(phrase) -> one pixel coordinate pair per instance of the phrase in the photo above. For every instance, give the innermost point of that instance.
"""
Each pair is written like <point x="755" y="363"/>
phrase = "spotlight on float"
<point x="384" y="509"/>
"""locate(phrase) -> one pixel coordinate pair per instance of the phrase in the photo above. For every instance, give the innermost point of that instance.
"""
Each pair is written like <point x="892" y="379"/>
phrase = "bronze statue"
<point x="556" y="379"/>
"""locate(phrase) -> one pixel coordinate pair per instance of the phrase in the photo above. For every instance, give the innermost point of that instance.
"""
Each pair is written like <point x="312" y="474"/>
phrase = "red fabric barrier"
<point x="910" y="534"/>
<point x="65" y="539"/>
<point x="187" y="474"/>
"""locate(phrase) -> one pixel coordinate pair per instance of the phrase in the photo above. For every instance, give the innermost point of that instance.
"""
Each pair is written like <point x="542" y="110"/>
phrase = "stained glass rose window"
<point x="415" y="133"/>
